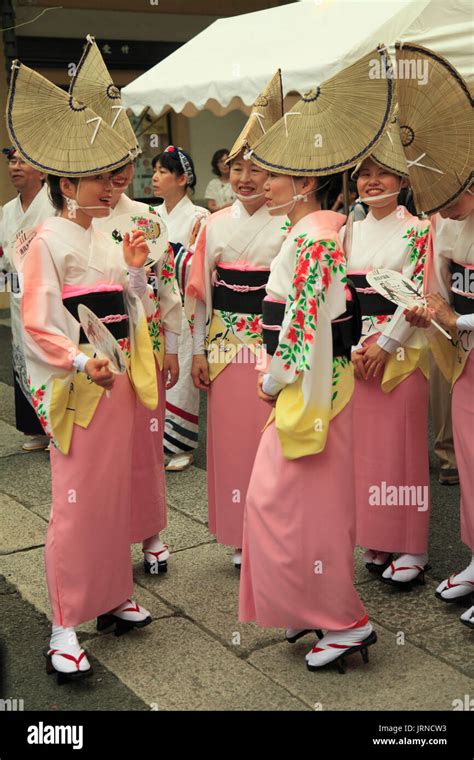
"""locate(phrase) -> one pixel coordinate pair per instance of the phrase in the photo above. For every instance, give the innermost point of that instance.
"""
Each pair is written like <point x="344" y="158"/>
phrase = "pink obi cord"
<point x="369" y="291"/>
<point x="462" y="293"/>
<point x="366" y="290"/>
<point x="113" y="318"/>
<point x="236" y="288"/>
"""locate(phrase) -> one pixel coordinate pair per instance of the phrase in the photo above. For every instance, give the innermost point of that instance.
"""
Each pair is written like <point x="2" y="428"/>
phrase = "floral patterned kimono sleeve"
<point x="163" y="310"/>
<point x="438" y="280"/>
<point x="198" y="286"/>
<point x="412" y="341"/>
<point x="170" y="301"/>
<point x="46" y="322"/>
<point x="303" y="361"/>
<point x="417" y="237"/>
<point x="51" y="337"/>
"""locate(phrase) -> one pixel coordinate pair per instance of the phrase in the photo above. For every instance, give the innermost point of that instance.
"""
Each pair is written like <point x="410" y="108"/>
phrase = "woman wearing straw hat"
<point x="87" y="411"/>
<point x="438" y="121"/>
<point x="223" y="302"/>
<point x="174" y="175"/>
<point x="452" y="303"/>
<point x="92" y="85"/>
<point x="391" y="369"/>
<point x="299" y="523"/>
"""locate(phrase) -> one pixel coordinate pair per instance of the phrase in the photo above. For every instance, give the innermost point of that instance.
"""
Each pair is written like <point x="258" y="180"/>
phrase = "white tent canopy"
<point x="229" y="63"/>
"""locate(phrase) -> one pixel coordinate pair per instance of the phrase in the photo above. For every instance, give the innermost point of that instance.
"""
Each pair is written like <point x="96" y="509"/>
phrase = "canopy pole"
<point x="345" y="191"/>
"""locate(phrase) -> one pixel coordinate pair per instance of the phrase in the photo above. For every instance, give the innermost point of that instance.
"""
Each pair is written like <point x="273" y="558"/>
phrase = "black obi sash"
<point x="103" y="304"/>
<point x="346" y="329"/>
<point x="235" y="294"/>
<point x="371" y="304"/>
<point x="462" y="288"/>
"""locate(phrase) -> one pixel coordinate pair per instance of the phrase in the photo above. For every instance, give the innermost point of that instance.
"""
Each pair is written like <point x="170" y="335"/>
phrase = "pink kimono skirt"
<point x="463" y="428"/>
<point x="87" y="553"/>
<point x="299" y="533"/>
<point x="148" y="474"/>
<point x="235" y="419"/>
<point x="391" y="450"/>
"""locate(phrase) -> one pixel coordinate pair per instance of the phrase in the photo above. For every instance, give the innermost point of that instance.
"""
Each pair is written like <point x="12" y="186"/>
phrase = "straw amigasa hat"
<point x="93" y="85"/>
<point x="334" y="126"/>
<point x="55" y="133"/>
<point x="436" y="126"/>
<point x="266" y="111"/>
<point x="389" y="152"/>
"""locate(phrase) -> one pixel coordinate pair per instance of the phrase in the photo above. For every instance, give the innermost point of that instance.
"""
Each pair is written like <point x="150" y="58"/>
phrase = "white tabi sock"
<point x="458" y="584"/>
<point x="155" y="550"/>
<point x="64" y="642"/>
<point x="413" y="565"/>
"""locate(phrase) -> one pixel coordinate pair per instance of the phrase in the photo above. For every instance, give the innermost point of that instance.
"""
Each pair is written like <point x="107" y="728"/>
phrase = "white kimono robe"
<point x="149" y="516"/>
<point x="398" y="242"/>
<point x="88" y="545"/>
<point x="299" y="526"/>
<point x="243" y="246"/>
<point x="391" y="411"/>
<point x="453" y="243"/>
<point x="182" y="402"/>
<point x="168" y="320"/>
<point x="17" y="225"/>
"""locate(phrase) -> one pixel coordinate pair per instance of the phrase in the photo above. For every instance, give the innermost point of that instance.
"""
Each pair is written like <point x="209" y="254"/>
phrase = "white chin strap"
<point x="73" y="204"/>
<point x="248" y="197"/>
<point x="296" y="197"/>
<point x="368" y="198"/>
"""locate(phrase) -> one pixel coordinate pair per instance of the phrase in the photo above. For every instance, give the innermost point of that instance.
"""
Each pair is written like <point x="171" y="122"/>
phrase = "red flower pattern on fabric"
<point x="256" y="324"/>
<point x="299" y="318"/>
<point x="327" y="279"/>
<point x="292" y="337"/>
<point x="316" y="251"/>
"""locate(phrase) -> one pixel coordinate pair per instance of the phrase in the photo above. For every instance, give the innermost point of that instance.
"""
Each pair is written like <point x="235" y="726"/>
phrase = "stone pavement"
<point x="195" y="655"/>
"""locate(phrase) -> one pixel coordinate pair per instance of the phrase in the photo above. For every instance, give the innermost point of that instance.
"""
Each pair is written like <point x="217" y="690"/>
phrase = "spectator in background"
<point x="338" y="204"/>
<point x="219" y="193"/>
<point x="20" y="216"/>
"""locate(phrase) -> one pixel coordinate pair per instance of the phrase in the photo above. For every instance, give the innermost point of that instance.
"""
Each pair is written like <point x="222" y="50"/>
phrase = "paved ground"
<point x="195" y="656"/>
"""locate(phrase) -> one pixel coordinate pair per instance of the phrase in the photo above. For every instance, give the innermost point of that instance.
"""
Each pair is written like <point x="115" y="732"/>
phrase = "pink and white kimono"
<point x="182" y="401"/>
<point x="299" y="523"/>
<point x="223" y="303"/>
<point x="451" y="272"/>
<point x="391" y="412"/>
<point x="148" y="476"/>
<point x="87" y="554"/>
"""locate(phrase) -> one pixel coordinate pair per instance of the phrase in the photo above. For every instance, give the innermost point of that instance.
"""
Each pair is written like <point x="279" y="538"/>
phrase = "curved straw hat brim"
<point x="266" y="111"/>
<point x="93" y="86"/>
<point x="389" y="152"/>
<point x="333" y="127"/>
<point x="436" y="126"/>
<point x="54" y="133"/>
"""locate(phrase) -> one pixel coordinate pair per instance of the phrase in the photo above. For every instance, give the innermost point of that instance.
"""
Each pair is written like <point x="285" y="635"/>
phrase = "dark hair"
<point x="170" y="160"/>
<point x="55" y="193"/>
<point x="216" y="158"/>
<point x="57" y="198"/>
<point x="327" y="185"/>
